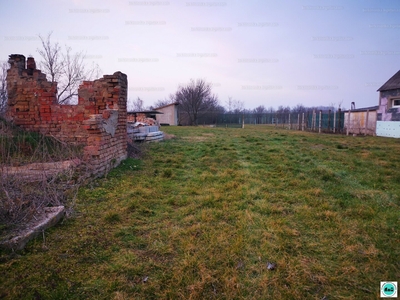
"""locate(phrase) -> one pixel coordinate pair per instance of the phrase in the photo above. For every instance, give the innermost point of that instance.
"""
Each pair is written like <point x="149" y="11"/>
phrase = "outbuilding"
<point x="361" y="120"/>
<point x="388" y="114"/>
<point x="169" y="114"/>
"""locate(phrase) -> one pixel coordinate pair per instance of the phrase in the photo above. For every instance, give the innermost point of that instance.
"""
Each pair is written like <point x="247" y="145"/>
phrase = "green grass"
<point x="202" y="214"/>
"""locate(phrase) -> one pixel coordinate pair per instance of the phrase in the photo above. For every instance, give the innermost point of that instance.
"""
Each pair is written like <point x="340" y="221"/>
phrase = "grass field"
<point x="203" y="215"/>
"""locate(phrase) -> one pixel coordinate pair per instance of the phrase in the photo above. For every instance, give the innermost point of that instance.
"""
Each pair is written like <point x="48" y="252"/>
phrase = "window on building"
<point x="396" y="102"/>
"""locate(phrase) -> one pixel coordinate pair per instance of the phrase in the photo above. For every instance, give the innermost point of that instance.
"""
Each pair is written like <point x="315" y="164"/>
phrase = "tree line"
<point x="198" y="105"/>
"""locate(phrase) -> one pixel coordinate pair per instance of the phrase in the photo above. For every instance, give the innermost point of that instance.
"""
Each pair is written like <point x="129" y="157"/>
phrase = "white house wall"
<point x="388" y="129"/>
<point x="169" y="115"/>
<point x="388" y="118"/>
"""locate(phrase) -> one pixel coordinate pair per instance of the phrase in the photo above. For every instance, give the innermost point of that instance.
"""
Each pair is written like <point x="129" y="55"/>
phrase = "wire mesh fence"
<point x="319" y="121"/>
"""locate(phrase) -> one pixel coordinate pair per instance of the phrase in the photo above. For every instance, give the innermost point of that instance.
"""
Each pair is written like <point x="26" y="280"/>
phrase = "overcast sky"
<point x="260" y="52"/>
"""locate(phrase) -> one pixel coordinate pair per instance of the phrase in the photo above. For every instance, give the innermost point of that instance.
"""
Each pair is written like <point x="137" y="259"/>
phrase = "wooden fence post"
<point x="348" y="122"/>
<point x="366" y="123"/>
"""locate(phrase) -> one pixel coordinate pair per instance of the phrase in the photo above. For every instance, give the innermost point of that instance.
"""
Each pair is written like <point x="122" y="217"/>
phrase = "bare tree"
<point x="299" y="108"/>
<point x="234" y="106"/>
<point x="239" y="107"/>
<point x="259" y="111"/>
<point x="283" y="109"/>
<point x="66" y="68"/>
<point x="165" y="101"/>
<point x="229" y="104"/>
<point x="283" y="113"/>
<point x="195" y="99"/>
<point x="3" y="87"/>
<point x="271" y="110"/>
<point x="135" y="105"/>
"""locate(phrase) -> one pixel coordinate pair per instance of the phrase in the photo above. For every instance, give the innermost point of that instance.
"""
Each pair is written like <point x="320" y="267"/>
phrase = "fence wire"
<point x="308" y="121"/>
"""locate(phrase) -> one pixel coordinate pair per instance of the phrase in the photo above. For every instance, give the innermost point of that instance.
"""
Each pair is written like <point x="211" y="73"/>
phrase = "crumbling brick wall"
<point x="98" y="121"/>
<point x="141" y="117"/>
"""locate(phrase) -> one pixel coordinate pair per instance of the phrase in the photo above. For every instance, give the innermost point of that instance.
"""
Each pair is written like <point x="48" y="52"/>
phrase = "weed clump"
<point x="112" y="217"/>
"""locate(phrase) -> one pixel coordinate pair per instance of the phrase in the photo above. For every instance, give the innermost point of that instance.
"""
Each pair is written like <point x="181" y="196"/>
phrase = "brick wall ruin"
<point x="97" y="122"/>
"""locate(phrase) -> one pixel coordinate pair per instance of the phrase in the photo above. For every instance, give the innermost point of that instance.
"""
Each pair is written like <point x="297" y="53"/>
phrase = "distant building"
<point x="361" y="120"/>
<point x="169" y="114"/>
<point x="388" y="114"/>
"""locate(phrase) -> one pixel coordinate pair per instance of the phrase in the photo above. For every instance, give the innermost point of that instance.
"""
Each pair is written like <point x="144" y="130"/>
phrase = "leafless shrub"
<point x="35" y="172"/>
<point x="135" y="105"/>
<point x="23" y="198"/>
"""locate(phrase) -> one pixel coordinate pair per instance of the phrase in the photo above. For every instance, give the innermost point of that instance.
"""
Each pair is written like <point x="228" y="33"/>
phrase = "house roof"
<point x="371" y="108"/>
<point x="392" y="84"/>
<point x="175" y="103"/>
<point x="152" y="112"/>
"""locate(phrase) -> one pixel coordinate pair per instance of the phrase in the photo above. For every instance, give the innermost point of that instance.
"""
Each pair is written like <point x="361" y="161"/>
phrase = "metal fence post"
<point x="334" y="121"/>
<point x="320" y="121"/>
<point x="329" y="120"/>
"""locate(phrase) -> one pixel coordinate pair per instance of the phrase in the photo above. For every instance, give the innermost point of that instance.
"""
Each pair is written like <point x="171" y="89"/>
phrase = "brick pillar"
<point x="17" y="65"/>
<point x="30" y="65"/>
<point x="17" y="62"/>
